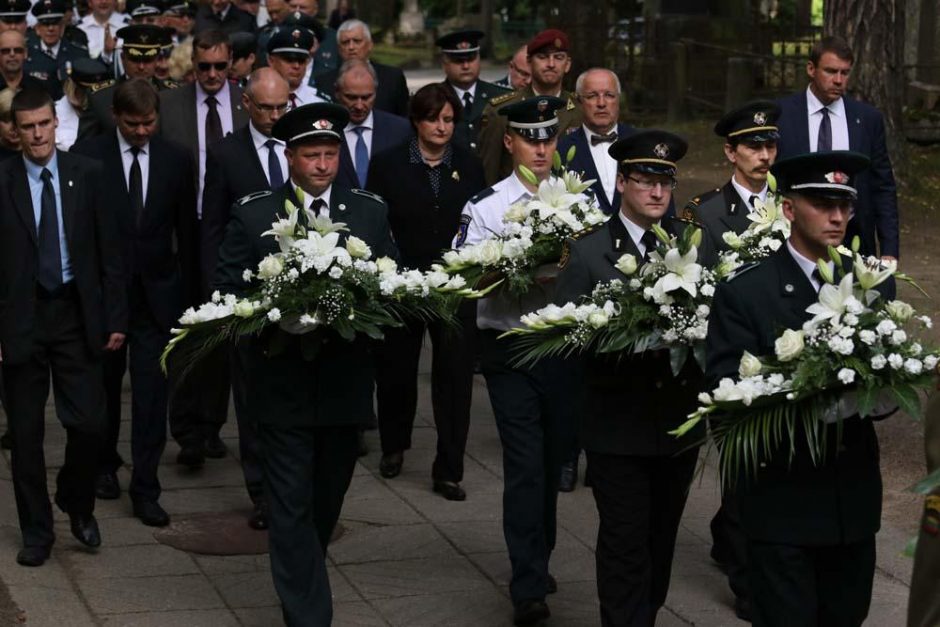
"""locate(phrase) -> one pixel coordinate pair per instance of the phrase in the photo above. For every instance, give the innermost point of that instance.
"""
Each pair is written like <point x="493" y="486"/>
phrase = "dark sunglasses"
<point x="205" y="66"/>
<point x="12" y="50"/>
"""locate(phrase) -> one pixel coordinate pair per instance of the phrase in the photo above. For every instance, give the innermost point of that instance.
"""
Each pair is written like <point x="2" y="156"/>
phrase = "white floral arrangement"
<point x="858" y="354"/>
<point x="768" y="231"/>
<point x="662" y="305"/>
<point x="534" y="232"/>
<point x="315" y="284"/>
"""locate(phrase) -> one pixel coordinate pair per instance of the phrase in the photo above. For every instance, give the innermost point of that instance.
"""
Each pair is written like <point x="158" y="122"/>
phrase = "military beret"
<point x="653" y="151"/>
<point x="306" y="21"/>
<point x="242" y="45"/>
<point x="755" y="121"/>
<point x="319" y="120"/>
<point x="50" y="10"/>
<point x="143" y="8"/>
<point x="461" y="43"/>
<point x="295" y="40"/>
<point x="551" y="38"/>
<point x="534" y="118"/>
<point x="144" y="41"/>
<point x="14" y="8"/>
<point x="827" y="174"/>
<point x="89" y="72"/>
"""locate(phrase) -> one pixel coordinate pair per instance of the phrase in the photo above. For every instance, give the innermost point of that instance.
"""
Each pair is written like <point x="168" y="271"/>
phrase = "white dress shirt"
<point x="837" y="120"/>
<point x="305" y="94"/>
<point x="202" y="110"/>
<point x="352" y="137"/>
<point x="67" y="131"/>
<point x="127" y="158"/>
<point x="52" y="51"/>
<point x="309" y="198"/>
<point x="746" y="194"/>
<point x="605" y="164"/>
<point x="636" y="233"/>
<point x="259" y="140"/>
<point x="808" y="266"/>
<point x="460" y="92"/>
<point x="95" y="32"/>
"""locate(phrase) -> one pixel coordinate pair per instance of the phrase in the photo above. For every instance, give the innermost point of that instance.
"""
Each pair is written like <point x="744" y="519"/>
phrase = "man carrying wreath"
<point x="640" y="474"/>
<point x="810" y="526"/>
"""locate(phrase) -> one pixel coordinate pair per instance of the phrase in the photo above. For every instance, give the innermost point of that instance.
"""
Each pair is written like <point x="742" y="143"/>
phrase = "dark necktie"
<point x="50" y="256"/>
<point x="362" y="156"/>
<point x="317" y="206"/>
<point x="135" y="187"/>
<point x="817" y="276"/>
<point x="213" y="121"/>
<point x="751" y="200"/>
<point x="467" y="100"/>
<point x="293" y="100"/>
<point x="275" y="175"/>
<point x="649" y="242"/>
<point x="609" y="138"/>
<point x="824" y="143"/>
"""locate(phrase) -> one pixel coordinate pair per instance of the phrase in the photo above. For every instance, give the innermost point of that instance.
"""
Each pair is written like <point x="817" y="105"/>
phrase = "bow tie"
<point x="609" y="138"/>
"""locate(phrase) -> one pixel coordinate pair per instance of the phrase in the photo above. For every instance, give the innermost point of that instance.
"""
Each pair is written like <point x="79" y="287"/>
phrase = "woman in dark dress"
<point x="426" y="182"/>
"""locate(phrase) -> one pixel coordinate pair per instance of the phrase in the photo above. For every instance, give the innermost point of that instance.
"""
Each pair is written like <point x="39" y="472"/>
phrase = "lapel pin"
<point x="70" y="183"/>
<point x="858" y="120"/>
<point x="455" y="176"/>
<point x="788" y="288"/>
<point x="617" y="244"/>
<point x="342" y="207"/>
<point x="734" y="206"/>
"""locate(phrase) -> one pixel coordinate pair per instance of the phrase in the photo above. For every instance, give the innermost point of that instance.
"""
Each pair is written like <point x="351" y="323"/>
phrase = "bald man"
<point x="519" y="75"/>
<point x="12" y="60"/>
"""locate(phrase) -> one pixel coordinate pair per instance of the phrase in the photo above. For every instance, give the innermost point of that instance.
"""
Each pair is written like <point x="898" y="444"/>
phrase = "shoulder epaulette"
<point x="741" y="270"/>
<point x="587" y="231"/>
<point x="489" y="191"/>
<point x="498" y="100"/>
<point x="367" y="194"/>
<point x="498" y="89"/>
<point x="101" y="85"/>
<point x="695" y="202"/>
<point x="688" y="219"/>
<point x="244" y="200"/>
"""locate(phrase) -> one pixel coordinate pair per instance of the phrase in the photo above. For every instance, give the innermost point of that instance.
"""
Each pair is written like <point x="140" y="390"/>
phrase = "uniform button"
<point x="470" y="125"/>
<point x="473" y="144"/>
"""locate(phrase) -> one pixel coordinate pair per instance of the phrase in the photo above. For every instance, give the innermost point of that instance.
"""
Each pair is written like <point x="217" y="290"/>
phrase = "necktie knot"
<point x="751" y="200"/>
<point x="609" y="138"/>
<point x="45" y="175"/>
<point x="467" y="100"/>
<point x="135" y="150"/>
<point x="359" y="130"/>
<point x="212" y="102"/>
<point x="271" y="144"/>
<point x="318" y="205"/>
<point x="649" y="242"/>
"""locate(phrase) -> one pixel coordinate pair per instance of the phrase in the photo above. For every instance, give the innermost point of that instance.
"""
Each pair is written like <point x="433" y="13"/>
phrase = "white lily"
<point x="767" y="216"/>
<point x="834" y="300"/>
<point x="683" y="272"/>
<point x="284" y="231"/>
<point x="872" y="271"/>
<point x="573" y="182"/>
<point x="553" y="196"/>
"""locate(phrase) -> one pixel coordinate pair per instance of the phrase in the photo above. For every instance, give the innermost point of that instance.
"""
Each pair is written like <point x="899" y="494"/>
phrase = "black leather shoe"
<point x="191" y="455"/>
<point x="85" y="530"/>
<point x="6" y="442"/>
<point x="151" y="514"/>
<point x="569" y="477"/>
<point x="363" y="447"/>
<point x="107" y="486"/>
<point x="530" y="612"/>
<point x="390" y="465"/>
<point x="742" y="608"/>
<point x="215" y="447"/>
<point x="33" y="555"/>
<point x="450" y="490"/>
<point x="259" y="517"/>
<point x="552" y="584"/>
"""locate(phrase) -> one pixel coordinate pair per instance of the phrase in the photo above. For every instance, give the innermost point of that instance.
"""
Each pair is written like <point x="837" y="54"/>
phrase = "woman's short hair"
<point x="428" y="102"/>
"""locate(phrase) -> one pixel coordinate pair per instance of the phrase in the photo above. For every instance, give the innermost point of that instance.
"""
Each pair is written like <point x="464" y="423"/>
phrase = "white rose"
<point x="930" y="362"/>
<point x="516" y="213"/>
<point x="336" y="272"/>
<point x="598" y="319"/>
<point x="899" y="310"/>
<point x="789" y="345"/>
<point x="386" y="265"/>
<point x="867" y="336"/>
<point x="878" y="362"/>
<point x="357" y="248"/>
<point x="846" y="376"/>
<point x="274" y="315"/>
<point x="886" y="327"/>
<point x="704" y="398"/>
<point x="732" y="239"/>
<point x="243" y="309"/>
<point x="750" y="366"/>
<point x="491" y="251"/>
<point x="708" y="290"/>
<point x="914" y="366"/>
<point x="898" y="337"/>
<point x="927" y="322"/>
<point x="895" y="361"/>
<point x="270" y="267"/>
<point x="627" y="264"/>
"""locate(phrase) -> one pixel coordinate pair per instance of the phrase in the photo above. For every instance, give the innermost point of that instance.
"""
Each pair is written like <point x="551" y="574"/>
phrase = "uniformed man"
<point x="460" y="58"/>
<point x="83" y="77"/>
<point x="751" y="134"/>
<point x="179" y="16"/>
<point x="289" y="55"/>
<point x="535" y="406"/>
<point x="923" y="609"/>
<point x="50" y="55"/>
<point x="549" y="62"/>
<point x="13" y="15"/>
<point x="307" y="411"/>
<point x="640" y="474"/>
<point x="810" y="526"/>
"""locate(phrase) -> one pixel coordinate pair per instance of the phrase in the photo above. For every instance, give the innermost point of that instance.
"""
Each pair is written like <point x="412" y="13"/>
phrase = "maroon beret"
<point x="551" y="38"/>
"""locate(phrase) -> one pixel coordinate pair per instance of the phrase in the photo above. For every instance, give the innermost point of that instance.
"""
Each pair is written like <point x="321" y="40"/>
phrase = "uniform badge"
<point x="840" y="178"/>
<point x="760" y="118"/>
<point x="565" y="256"/>
<point x="462" y="230"/>
<point x="661" y="151"/>
<point x="687" y="214"/>
<point x="788" y="288"/>
<point x="931" y="524"/>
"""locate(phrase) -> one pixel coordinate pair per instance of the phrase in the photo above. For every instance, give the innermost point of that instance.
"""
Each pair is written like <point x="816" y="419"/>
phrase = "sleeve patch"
<point x="462" y="228"/>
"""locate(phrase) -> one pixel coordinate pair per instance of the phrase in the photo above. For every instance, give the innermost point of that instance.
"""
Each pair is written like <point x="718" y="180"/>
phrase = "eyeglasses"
<point x="647" y="185"/>
<point x="5" y="51"/>
<point x="205" y="66"/>
<point x="268" y="108"/>
<point x="595" y="96"/>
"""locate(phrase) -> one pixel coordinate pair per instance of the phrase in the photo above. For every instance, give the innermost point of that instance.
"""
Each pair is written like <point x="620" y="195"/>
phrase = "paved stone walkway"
<point x="408" y="558"/>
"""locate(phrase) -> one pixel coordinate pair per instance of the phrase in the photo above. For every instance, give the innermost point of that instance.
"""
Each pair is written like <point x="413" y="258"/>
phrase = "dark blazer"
<point x="235" y="20"/>
<point x="178" y="119"/>
<point x="391" y="95"/>
<point x="336" y="386"/>
<point x="876" y="210"/>
<point x="467" y="132"/>
<point x="583" y="162"/>
<point x="163" y="251"/>
<point x="388" y="131"/>
<point x="424" y="225"/>
<point x="94" y="249"/>
<point x="793" y="502"/>
<point x="232" y="172"/>
<point x="97" y="118"/>
<point x="631" y="401"/>
<point x="718" y="211"/>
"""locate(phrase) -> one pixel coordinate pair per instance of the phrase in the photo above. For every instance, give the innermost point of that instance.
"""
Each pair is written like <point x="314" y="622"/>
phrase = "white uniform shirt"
<point x="746" y="194"/>
<point x="305" y="94"/>
<point x="605" y="164"/>
<point x="837" y="120"/>
<point x="308" y="198"/>
<point x="808" y="266"/>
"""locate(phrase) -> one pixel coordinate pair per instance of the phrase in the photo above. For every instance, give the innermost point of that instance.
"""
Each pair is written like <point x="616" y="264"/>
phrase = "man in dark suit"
<point x="355" y="42"/>
<point x="369" y="131"/>
<point x="824" y="118"/>
<point x="224" y="16"/>
<point x="307" y="411"/>
<point x="197" y="116"/>
<point x="247" y="161"/>
<point x="50" y="55"/>
<point x="640" y="474"/>
<point x="63" y="302"/>
<point x="810" y="523"/>
<point x="150" y="182"/>
<point x="460" y="58"/>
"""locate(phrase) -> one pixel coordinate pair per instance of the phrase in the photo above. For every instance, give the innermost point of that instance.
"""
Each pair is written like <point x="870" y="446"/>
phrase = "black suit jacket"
<point x="236" y="21"/>
<point x="232" y="172"/>
<point x="178" y="119"/>
<point x="391" y="95"/>
<point x="876" y="210"/>
<point x="388" y="131"/>
<point x="424" y="224"/>
<point x="718" y="211"/>
<point x="162" y="251"/>
<point x="583" y="162"/>
<point x="94" y="250"/>
<point x="793" y="502"/>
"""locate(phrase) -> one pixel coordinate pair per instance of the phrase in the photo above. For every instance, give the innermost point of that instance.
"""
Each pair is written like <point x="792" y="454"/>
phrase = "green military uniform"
<point x="467" y="132"/>
<point x="497" y="163"/>
<point x="923" y="609"/>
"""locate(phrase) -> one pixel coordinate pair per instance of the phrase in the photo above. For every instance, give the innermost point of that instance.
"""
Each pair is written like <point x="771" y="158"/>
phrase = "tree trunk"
<point x="585" y="23"/>
<point x="875" y="31"/>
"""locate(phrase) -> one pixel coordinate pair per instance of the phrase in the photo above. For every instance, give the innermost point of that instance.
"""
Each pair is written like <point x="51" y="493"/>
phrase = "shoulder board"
<point x="504" y="98"/>
<point x="244" y="200"/>
<point x="370" y="195"/>
<point x="745" y="268"/>
<point x="587" y="231"/>
<point x="695" y="202"/>
<point x="101" y="85"/>
<point x="489" y="191"/>
<point x="688" y="220"/>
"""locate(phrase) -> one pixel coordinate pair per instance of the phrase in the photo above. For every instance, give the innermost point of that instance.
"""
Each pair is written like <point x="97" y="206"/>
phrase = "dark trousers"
<point x="60" y="348"/>
<point x="396" y="380"/>
<point x="145" y="342"/>
<point x="249" y="448"/>
<point x="729" y="544"/>
<point x="307" y="471"/>
<point x="640" y="502"/>
<point x="199" y="403"/>
<point x="535" y="410"/>
<point x="828" y="586"/>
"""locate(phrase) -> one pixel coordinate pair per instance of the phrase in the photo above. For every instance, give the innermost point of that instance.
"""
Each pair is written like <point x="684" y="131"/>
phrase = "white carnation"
<point x="846" y="375"/>
<point x="914" y="366"/>
<point x="274" y="315"/>
<point x="878" y="362"/>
